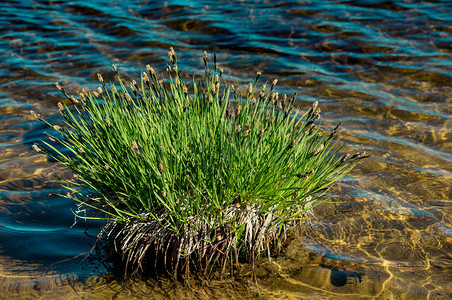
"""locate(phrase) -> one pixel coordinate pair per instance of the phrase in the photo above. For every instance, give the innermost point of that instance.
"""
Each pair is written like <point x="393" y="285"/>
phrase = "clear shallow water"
<point x="382" y="68"/>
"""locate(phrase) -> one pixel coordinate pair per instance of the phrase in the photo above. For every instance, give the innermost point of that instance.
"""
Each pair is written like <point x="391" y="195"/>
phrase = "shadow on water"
<point x="382" y="68"/>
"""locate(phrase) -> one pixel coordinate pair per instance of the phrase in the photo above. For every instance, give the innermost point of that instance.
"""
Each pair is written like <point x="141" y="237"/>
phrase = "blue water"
<point x="382" y="68"/>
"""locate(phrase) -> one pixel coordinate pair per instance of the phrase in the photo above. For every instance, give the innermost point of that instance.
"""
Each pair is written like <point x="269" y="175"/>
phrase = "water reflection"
<point x="382" y="68"/>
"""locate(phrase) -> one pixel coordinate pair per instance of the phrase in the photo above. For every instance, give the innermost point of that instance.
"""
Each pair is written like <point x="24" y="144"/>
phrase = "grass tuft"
<point x="192" y="173"/>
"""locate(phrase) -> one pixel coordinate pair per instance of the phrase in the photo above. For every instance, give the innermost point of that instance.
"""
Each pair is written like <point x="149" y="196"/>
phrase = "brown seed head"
<point x="107" y="167"/>
<point x="217" y="78"/>
<point x="96" y="94"/>
<point x="238" y="128"/>
<point x="81" y="150"/>
<point x="168" y="68"/>
<point x="36" y="148"/>
<point x="163" y="193"/>
<point x="261" y="132"/>
<point x="246" y="132"/>
<point x="205" y="55"/>
<point x="56" y="127"/>
<point x="239" y="109"/>
<point x="210" y="98"/>
<point x="185" y="89"/>
<point x="113" y="89"/>
<point x="128" y="98"/>
<point x="275" y="82"/>
<point x="100" y="78"/>
<point x="160" y="168"/>
<point x="114" y="68"/>
<point x="99" y="90"/>
<point x="107" y="122"/>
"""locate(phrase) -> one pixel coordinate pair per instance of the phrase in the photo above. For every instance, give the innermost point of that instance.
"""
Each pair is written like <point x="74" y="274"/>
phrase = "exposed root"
<point x="150" y="245"/>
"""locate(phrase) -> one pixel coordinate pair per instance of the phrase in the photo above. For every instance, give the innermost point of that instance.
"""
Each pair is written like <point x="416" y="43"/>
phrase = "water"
<point x="382" y="68"/>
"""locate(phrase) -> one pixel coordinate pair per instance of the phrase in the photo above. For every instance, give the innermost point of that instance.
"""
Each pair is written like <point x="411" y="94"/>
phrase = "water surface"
<point x="382" y="68"/>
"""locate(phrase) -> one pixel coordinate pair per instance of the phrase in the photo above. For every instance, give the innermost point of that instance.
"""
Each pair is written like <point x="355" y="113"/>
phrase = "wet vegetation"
<point x="193" y="174"/>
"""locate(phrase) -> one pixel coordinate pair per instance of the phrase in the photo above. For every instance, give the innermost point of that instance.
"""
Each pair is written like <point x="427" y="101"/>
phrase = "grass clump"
<point x="193" y="179"/>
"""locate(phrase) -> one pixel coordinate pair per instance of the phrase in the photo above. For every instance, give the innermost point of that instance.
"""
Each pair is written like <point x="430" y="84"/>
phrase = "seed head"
<point x="80" y="149"/>
<point x="37" y="116"/>
<point x="314" y="106"/>
<point x="160" y="168"/>
<point x="100" y="78"/>
<point x="96" y="94"/>
<point x="145" y="77"/>
<point x="210" y="98"/>
<point x="60" y="88"/>
<point x="239" y="109"/>
<point x="36" y="148"/>
<point x="274" y="97"/>
<point x="114" y="68"/>
<point x="246" y="132"/>
<point x="261" y="132"/>
<point x="107" y="122"/>
<point x="150" y="70"/>
<point x="163" y="193"/>
<point x="185" y="89"/>
<point x="82" y="97"/>
<point x="213" y="90"/>
<point x="107" y="167"/>
<point x="217" y="78"/>
<point x="275" y="82"/>
<point x="60" y="106"/>
<point x="238" y="128"/>
<point x="168" y="68"/>
<point x="171" y="54"/>
<point x="74" y="100"/>
<point x="56" y="127"/>
<point x="113" y="89"/>
<point x="205" y="55"/>
<point x="128" y="98"/>
<point x="250" y="88"/>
